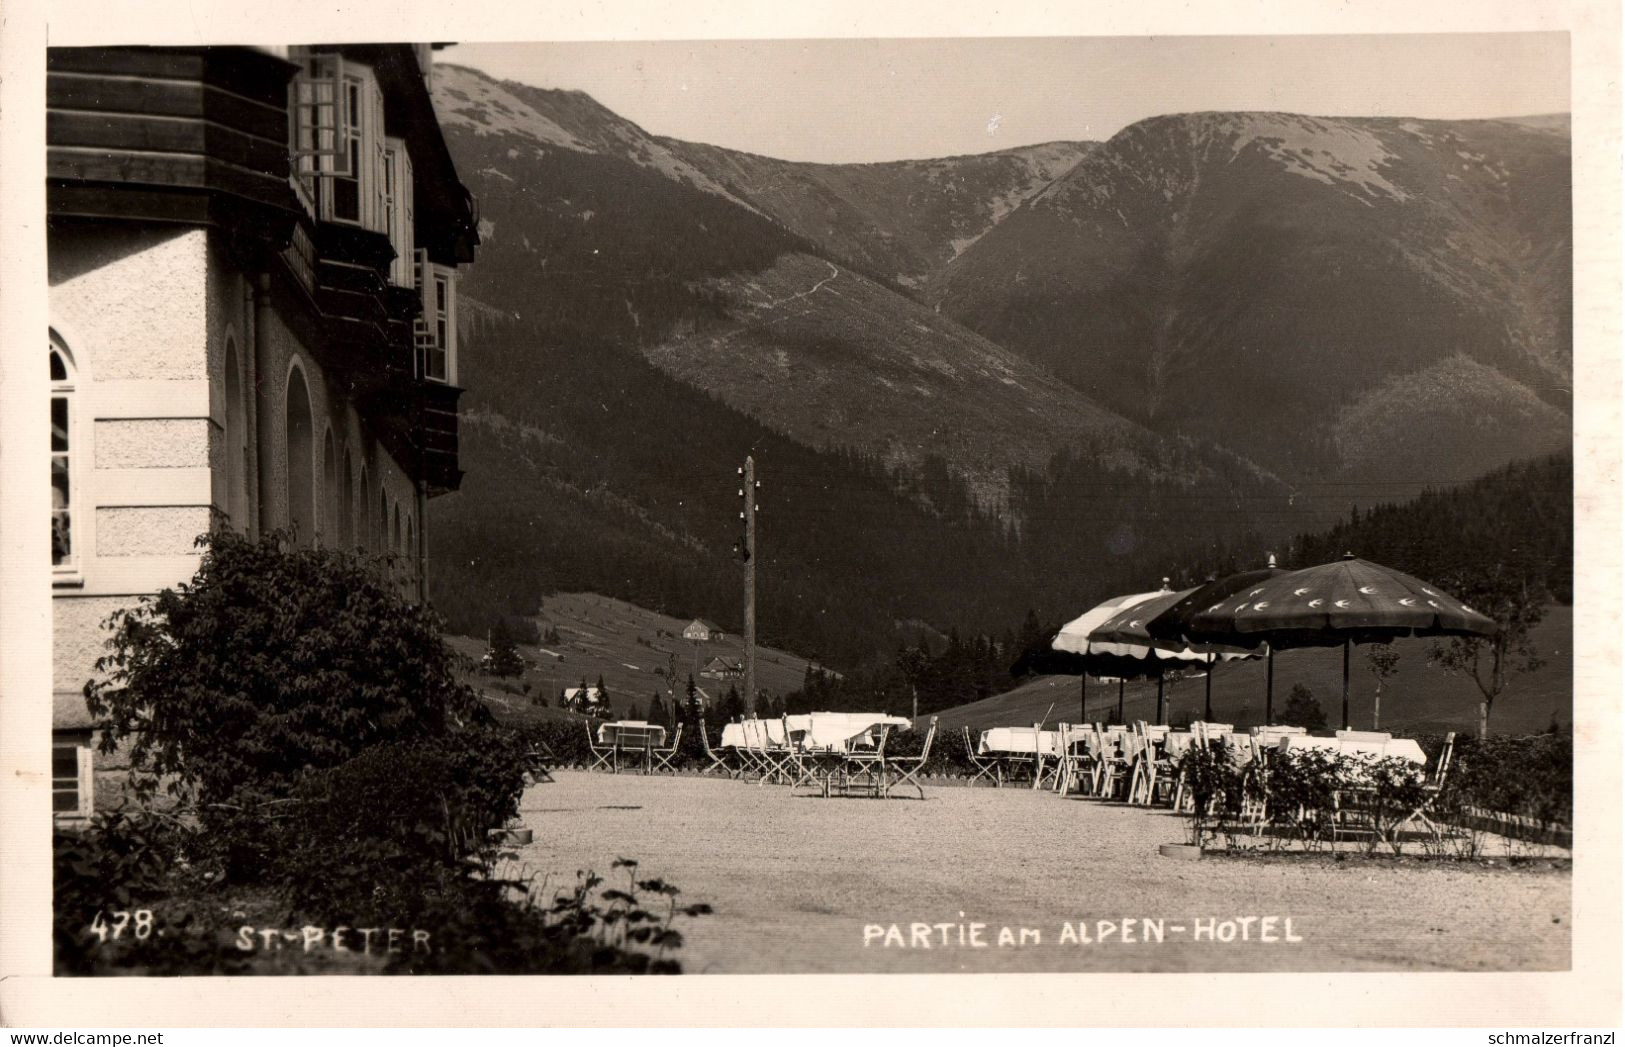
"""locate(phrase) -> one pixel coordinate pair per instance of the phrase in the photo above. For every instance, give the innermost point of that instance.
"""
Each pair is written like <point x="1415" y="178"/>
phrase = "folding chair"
<point x="1153" y="772"/>
<point x="901" y="770"/>
<point x="1431" y="790"/>
<point x="802" y="770"/>
<point x="1072" y="762"/>
<point x="1046" y="768"/>
<point x="663" y="757"/>
<point x="1111" y="765"/>
<point x="540" y="762"/>
<point x="868" y="764"/>
<point x="713" y="759"/>
<point x="602" y="755"/>
<point x="985" y="768"/>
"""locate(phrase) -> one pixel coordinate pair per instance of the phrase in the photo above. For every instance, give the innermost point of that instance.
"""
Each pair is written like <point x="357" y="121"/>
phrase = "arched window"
<point x="300" y="440"/>
<point x="64" y="558"/>
<point x="237" y="462"/>
<point x="363" y="513"/>
<point x="411" y="549"/>
<point x="330" y="490"/>
<point x="347" y="507"/>
<point x="395" y="536"/>
<point x="382" y="533"/>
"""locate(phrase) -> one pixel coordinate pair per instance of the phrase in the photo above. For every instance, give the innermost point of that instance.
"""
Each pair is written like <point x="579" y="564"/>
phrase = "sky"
<point x="862" y="100"/>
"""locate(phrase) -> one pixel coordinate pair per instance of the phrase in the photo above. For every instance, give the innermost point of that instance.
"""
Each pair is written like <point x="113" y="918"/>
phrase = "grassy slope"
<point x="1417" y="699"/>
<point x="600" y="636"/>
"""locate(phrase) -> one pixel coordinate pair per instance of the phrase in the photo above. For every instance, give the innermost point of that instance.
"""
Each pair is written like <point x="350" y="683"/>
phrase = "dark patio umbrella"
<point x="1174" y="624"/>
<point x="1345" y="602"/>
<point x="1125" y="635"/>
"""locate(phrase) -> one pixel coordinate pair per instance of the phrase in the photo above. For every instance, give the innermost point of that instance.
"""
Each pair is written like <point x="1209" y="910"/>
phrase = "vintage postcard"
<point x="1012" y="504"/>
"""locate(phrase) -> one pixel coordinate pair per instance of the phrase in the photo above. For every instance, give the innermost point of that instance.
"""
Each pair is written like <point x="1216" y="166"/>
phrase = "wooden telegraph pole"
<point x="747" y="552"/>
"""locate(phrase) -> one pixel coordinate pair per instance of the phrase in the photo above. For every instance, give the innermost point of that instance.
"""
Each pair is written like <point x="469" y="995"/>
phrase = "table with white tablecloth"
<point x="1403" y="748"/>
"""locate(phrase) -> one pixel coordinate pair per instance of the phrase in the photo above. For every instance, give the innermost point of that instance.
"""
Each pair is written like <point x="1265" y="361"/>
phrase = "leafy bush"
<point x="1302" y="710"/>
<point x="375" y="837"/>
<point x="270" y="662"/>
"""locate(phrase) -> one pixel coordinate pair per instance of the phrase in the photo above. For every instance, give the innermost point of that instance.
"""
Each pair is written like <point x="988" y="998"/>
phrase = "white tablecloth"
<point x="818" y="730"/>
<point x="631" y="733"/>
<point x="1404" y="748"/>
<point x="1019" y="740"/>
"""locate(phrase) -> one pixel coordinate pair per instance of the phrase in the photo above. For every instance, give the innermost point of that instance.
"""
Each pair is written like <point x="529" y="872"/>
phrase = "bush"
<point x="1302" y="710"/>
<point x="378" y="836"/>
<point x="269" y="663"/>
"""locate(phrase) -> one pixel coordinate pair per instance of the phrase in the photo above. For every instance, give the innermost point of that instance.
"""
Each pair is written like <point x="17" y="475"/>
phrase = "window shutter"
<point x="374" y="129"/>
<point x="423" y="326"/>
<point x="451" y="326"/>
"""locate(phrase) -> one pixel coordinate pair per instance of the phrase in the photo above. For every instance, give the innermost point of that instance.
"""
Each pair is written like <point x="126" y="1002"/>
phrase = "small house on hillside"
<point x="701" y="631"/>
<point x="583" y="699"/>
<point x="722" y="669"/>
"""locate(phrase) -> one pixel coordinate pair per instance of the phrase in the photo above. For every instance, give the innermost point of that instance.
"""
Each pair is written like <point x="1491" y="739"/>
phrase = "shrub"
<point x="378" y="836"/>
<point x="1302" y="710"/>
<point x="270" y="662"/>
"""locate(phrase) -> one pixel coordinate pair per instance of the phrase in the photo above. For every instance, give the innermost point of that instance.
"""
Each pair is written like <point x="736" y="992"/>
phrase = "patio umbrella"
<point x="1345" y="602"/>
<point x="1071" y="647"/>
<point x="1174" y="625"/>
<point x="1125" y="635"/>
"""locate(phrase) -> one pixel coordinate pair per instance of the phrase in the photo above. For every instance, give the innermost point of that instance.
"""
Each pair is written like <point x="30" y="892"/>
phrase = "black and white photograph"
<point x="1089" y="503"/>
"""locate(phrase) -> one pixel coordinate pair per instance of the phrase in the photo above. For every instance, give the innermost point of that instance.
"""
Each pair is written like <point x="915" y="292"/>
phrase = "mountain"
<point x="904" y="220"/>
<point x="593" y="227"/>
<point x="646" y="312"/>
<point x="1336" y="299"/>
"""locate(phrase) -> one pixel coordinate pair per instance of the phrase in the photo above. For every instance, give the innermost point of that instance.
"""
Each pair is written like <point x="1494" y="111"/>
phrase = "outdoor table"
<point x="632" y="736"/>
<point x="836" y="742"/>
<point x="1403" y="748"/>
<point x="1021" y="746"/>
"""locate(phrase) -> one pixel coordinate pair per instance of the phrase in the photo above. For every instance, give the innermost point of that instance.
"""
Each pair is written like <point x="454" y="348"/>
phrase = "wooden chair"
<point x="714" y="760"/>
<point x="1111" y="764"/>
<point x="984" y="767"/>
<point x="602" y="755"/>
<point x="1072" y="767"/>
<point x="866" y="764"/>
<point x="663" y="757"/>
<point x="1153" y="771"/>
<point x="901" y="770"/>
<point x="540" y="762"/>
<point x="798" y="763"/>
<point x="1431" y="790"/>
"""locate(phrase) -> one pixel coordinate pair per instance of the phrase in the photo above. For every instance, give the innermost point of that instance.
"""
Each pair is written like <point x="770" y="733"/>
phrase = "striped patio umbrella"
<point x="1126" y="635"/>
<point x="1345" y="602"/>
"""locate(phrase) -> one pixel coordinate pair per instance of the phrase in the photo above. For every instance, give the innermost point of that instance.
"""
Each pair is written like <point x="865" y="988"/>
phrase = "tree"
<point x="632" y="712"/>
<point x="503" y="658"/>
<point x="1302" y="710"/>
<point x="733" y="706"/>
<point x="603" y="692"/>
<point x="1516" y="600"/>
<point x="1381" y="661"/>
<point x="270" y="662"/>
<point x="657" y="710"/>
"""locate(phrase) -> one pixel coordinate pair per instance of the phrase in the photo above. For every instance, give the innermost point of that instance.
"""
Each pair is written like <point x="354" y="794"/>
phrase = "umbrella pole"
<point x="1345" y="685"/>
<point x="1119" y="699"/>
<point x="1161" y="716"/>
<point x="1269" y="687"/>
<point x="1083" y="700"/>
<point x="1207" y="706"/>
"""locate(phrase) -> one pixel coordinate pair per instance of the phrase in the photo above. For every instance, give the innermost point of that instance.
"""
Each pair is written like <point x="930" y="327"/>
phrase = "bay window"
<point x="336" y="117"/>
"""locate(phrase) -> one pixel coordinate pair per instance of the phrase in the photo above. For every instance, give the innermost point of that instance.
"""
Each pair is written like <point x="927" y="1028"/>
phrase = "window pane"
<point x="346" y="199"/>
<point x="440" y="297"/>
<point x="59" y="370"/>
<point x="59" y="423"/>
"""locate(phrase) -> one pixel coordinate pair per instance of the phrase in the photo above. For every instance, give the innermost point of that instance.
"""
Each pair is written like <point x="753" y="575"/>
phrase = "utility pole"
<point x="746" y="548"/>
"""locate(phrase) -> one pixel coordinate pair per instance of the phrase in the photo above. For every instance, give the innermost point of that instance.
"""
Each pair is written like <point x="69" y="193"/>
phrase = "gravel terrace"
<point x="796" y="879"/>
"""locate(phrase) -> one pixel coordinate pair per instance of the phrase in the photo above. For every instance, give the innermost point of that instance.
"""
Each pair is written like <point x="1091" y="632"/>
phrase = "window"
<point x="347" y="508"/>
<point x="300" y="444"/>
<point x="336" y="118"/>
<point x="399" y="217"/>
<point x="330" y="489"/>
<point x="237" y="460"/>
<point x="363" y="514"/>
<point x="64" y="559"/>
<point x="382" y="532"/>
<point x="72" y="779"/>
<point x="436" y="328"/>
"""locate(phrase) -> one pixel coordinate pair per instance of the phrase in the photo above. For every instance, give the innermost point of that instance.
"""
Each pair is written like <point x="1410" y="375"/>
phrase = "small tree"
<point x="503" y="658"/>
<point x="632" y="712"/>
<point x="1302" y="710"/>
<point x="733" y="706"/>
<point x="603" y="692"/>
<point x="657" y="710"/>
<point x="1517" y="603"/>
<point x="1381" y="661"/>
